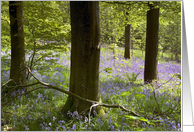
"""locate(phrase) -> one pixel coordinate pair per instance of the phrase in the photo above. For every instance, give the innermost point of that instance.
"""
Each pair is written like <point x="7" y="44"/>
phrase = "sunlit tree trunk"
<point x="127" y="42"/>
<point x="151" y="53"/>
<point x="17" y="42"/>
<point x="85" y="56"/>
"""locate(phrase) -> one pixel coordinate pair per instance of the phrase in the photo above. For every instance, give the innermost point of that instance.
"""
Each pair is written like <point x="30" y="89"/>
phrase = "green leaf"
<point x="116" y="124"/>
<point x="140" y="96"/>
<point x="143" y="119"/>
<point x="125" y="93"/>
<point x="132" y="117"/>
<point x="156" y="120"/>
<point x="150" y="123"/>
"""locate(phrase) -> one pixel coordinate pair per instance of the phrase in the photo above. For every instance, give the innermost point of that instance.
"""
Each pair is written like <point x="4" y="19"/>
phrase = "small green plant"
<point x="132" y="77"/>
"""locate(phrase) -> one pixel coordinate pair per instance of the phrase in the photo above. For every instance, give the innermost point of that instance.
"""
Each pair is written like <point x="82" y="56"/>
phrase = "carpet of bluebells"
<point x="121" y="82"/>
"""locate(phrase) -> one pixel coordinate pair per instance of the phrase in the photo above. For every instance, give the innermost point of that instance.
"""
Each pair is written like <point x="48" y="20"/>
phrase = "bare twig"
<point x="2" y="105"/>
<point x="32" y="59"/>
<point x="90" y="112"/>
<point x="155" y="93"/>
<point x="164" y="83"/>
<point x="6" y="83"/>
<point x="18" y="87"/>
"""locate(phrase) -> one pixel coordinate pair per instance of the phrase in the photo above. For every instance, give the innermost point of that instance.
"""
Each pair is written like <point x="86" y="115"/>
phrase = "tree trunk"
<point x="151" y="53"/>
<point x="127" y="42"/>
<point x="85" y="56"/>
<point x="17" y="42"/>
<point x="132" y="48"/>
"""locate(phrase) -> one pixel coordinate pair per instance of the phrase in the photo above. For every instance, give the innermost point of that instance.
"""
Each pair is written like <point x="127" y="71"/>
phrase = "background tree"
<point x="85" y="55"/>
<point x="127" y="53"/>
<point x="151" y="53"/>
<point x="17" y="42"/>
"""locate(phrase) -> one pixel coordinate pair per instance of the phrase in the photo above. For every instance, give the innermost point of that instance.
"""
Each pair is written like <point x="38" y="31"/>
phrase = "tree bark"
<point x="17" y="42"/>
<point x="151" y="53"/>
<point x="127" y="42"/>
<point x="85" y="56"/>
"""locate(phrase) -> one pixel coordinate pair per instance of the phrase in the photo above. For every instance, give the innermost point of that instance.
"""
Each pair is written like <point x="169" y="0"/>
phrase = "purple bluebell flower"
<point x="86" y="119"/>
<point x="48" y="128"/>
<point x="73" y="128"/>
<point x="75" y="113"/>
<point x="64" y="128"/>
<point x="26" y="128"/>
<point x="39" y="95"/>
<point x="54" y="118"/>
<point x="110" y="120"/>
<point x="111" y="127"/>
<point x="29" y="117"/>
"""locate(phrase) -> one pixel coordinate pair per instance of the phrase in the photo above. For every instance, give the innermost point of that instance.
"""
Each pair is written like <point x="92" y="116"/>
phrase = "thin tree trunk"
<point x="17" y="42"/>
<point x="151" y="53"/>
<point x="85" y="56"/>
<point x="127" y="42"/>
<point x="132" y="48"/>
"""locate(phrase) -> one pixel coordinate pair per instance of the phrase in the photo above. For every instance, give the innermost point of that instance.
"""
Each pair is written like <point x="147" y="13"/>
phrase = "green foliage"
<point x="44" y="21"/>
<point x="114" y="18"/>
<point x="133" y="77"/>
<point x="5" y="26"/>
<point x="108" y="70"/>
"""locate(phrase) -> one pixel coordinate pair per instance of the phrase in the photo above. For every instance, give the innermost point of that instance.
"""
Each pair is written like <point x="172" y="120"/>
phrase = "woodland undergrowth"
<point x="130" y="105"/>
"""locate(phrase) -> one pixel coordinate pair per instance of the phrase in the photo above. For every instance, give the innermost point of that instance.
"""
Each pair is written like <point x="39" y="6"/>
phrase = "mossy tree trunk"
<point x="151" y="53"/>
<point x="17" y="42"/>
<point x="85" y="56"/>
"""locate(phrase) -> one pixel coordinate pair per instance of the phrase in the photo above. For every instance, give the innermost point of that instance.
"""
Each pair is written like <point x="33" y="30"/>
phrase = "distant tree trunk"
<point x="162" y="54"/>
<point x="151" y="53"/>
<point x="172" y="54"/>
<point x="132" y="48"/>
<point x="85" y="56"/>
<point x="17" y="42"/>
<point x="127" y="42"/>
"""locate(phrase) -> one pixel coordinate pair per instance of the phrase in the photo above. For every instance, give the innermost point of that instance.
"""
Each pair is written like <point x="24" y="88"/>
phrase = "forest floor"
<point x="121" y="82"/>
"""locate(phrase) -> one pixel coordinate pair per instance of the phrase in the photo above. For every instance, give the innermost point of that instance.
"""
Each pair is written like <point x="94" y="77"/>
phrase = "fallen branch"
<point x="84" y="99"/>
<point x="48" y="86"/>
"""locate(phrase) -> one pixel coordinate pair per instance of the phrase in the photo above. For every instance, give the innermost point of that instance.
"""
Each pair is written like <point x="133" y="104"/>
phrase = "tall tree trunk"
<point x="17" y="42"/>
<point x="127" y="42"/>
<point x="151" y="53"/>
<point x="85" y="56"/>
